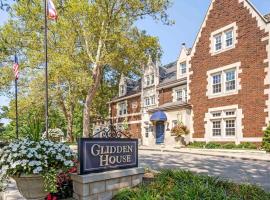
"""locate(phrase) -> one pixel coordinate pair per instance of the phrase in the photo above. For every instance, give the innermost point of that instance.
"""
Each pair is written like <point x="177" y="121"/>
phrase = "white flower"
<point x="29" y="155"/>
<point x="37" y="170"/>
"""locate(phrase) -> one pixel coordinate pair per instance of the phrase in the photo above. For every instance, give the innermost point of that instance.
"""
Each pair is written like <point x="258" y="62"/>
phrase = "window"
<point x="216" y="128"/>
<point x="223" y="123"/>
<point x="223" y="39"/>
<point x="153" y="100"/>
<point x="147" y="80"/>
<point x="224" y="82"/>
<point x="230" y="80"/>
<point x="218" y="42"/>
<point x="216" y="83"/>
<point x="122" y="108"/>
<point x="181" y="94"/>
<point x="146" y="132"/>
<point x="229" y="38"/>
<point x="183" y="68"/>
<point x="122" y="89"/>
<point x="230" y="127"/>
<point x="150" y="79"/>
<point x="148" y="101"/>
<point x="216" y="114"/>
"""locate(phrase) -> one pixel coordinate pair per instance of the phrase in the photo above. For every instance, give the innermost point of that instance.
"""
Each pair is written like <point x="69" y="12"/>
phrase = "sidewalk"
<point x="254" y="155"/>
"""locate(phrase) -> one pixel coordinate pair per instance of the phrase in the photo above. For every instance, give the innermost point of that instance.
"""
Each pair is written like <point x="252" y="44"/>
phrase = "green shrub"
<point x="186" y="185"/>
<point x="266" y="139"/>
<point x="228" y="146"/>
<point x="213" y="145"/>
<point x="197" y="145"/>
<point x="246" y="145"/>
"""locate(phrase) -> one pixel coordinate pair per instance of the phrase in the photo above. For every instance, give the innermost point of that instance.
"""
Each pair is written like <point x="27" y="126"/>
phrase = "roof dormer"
<point x="182" y="65"/>
<point x="122" y="86"/>
<point x="149" y="74"/>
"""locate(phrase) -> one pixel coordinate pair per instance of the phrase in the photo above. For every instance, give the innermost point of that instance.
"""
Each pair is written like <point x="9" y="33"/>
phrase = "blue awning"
<point x="158" y="116"/>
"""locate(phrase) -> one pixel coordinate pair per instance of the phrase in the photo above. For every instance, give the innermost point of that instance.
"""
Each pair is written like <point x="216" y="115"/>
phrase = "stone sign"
<point x="100" y="154"/>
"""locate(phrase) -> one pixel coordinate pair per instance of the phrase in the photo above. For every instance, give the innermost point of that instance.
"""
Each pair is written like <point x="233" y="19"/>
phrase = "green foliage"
<point x="50" y="181"/>
<point x="213" y="145"/>
<point x="196" y="145"/>
<point x="185" y="185"/>
<point x="91" y="43"/>
<point x="246" y="145"/>
<point x="266" y="139"/>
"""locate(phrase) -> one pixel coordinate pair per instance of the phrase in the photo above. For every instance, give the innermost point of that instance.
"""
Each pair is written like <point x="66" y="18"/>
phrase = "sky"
<point x="188" y="16"/>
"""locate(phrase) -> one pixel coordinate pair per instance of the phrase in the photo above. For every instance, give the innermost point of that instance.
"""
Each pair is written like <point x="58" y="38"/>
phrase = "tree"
<point x="266" y="139"/>
<point x="89" y="39"/>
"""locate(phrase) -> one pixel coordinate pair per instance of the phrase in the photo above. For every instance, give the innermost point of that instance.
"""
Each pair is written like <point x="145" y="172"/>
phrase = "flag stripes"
<point x="52" y="14"/>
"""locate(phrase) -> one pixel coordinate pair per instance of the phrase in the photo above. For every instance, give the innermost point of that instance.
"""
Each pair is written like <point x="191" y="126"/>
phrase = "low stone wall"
<point x="103" y="186"/>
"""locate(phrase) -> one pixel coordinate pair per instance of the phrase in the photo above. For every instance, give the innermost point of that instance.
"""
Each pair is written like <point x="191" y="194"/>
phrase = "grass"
<point x="215" y="145"/>
<point x="184" y="185"/>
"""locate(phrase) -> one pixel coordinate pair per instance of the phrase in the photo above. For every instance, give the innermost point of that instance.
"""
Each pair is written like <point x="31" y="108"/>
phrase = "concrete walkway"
<point x="254" y="155"/>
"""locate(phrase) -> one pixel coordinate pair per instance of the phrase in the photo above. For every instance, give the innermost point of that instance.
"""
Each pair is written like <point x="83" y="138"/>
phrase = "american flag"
<point x="16" y="67"/>
<point x="52" y="14"/>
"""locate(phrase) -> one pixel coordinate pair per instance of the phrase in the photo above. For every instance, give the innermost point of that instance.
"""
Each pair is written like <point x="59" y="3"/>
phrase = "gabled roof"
<point x="265" y="19"/>
<point x="133" y="86"/>
<point x="167" y="73"/>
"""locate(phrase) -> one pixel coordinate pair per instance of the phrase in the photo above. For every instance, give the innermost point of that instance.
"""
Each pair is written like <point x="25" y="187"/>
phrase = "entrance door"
<point x="160" y="128"/>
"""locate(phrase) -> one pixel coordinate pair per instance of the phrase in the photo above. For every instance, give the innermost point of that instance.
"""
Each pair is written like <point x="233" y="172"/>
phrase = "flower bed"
<point x="215" y="145"/>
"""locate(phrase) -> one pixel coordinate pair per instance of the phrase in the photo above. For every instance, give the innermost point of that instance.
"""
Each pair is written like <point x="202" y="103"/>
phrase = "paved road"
<point x="254" y="172"/>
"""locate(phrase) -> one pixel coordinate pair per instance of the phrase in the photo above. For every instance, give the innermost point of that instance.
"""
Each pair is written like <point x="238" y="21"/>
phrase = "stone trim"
<point x="202" y="26"/>
<point x="209" y="93"/>
<point x="239" y="127"/>
<point x="232" y="26"/>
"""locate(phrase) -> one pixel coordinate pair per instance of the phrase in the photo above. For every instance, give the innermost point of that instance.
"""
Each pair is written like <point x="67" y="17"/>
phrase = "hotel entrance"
<point x="158" y="119"/>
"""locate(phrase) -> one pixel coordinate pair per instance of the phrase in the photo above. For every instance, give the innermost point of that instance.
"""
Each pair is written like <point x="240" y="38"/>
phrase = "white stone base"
<point x="104" y="185"/>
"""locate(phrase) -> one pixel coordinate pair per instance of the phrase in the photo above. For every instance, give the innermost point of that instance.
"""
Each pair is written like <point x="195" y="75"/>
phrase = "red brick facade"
<point x="133" y="117"/>
<point x="250" y="50"/>
<point x="165" y="96"/>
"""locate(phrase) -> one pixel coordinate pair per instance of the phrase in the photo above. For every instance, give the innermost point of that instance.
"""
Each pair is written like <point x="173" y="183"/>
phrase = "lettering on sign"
<point x="99" y="154"/>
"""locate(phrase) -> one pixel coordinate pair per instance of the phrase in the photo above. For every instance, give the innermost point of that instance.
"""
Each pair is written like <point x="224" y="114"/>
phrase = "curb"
<point x="205" y="154"/>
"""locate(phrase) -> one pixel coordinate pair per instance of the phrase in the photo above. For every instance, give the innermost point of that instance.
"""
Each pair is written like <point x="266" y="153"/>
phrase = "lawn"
<point x="184" y="185"/>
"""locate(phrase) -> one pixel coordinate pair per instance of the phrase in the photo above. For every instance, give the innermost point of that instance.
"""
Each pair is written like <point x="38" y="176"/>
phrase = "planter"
<point x="31" y="187"/>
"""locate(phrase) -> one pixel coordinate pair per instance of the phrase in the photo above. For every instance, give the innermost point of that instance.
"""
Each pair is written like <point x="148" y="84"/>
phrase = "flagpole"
<point x="46" y="70"/>
<point x="16" y="106"/>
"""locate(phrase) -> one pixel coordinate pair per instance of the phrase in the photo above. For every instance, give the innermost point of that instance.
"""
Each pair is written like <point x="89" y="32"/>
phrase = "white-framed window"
<point x="152" y="79"/>
<point x="224" y="81"/>
<point x="218" y="42"/>
<point x="216" y="130"/>
<point x="122" y="108"/>
<point x="229" y="38"/>
<point x="122" y="90"/>
<point x="223" y="123"/>
<point x="149" y="101"/>
<point x="149" y="79"/>
<point x="180" y="94"/>
<point x="230" y="80"/>
<point x="183" y="68"/>
<point x="216" y="83"/>
<point x="223" y="39"/>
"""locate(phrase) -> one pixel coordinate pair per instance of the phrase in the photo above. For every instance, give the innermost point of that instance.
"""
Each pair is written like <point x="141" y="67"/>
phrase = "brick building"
<point x="219" y="88"/>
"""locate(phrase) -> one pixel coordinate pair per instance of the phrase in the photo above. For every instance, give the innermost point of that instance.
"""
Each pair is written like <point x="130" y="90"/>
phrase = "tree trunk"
<point x="89" y="99"/>
<point x="70" y="128"/>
